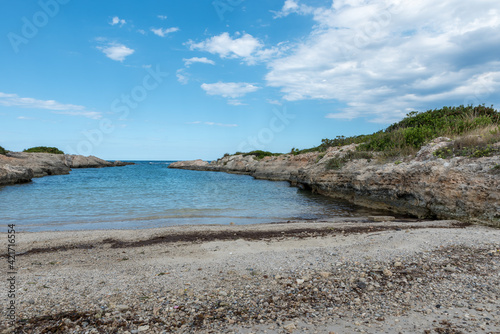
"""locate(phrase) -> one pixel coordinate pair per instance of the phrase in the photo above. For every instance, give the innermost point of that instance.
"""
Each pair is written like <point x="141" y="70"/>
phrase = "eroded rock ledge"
<point x="426" y="186"/>
<point x="20" y="167"/>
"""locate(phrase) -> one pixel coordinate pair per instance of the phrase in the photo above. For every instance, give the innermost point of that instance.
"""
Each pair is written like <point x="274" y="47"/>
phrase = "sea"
<point x="150" y="195"/>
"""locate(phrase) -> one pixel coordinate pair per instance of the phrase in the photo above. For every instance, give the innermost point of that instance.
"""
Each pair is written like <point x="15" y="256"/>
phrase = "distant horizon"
<point x="196" y="80"/>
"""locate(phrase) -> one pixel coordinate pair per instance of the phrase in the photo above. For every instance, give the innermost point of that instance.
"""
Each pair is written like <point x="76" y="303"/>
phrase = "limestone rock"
<point x="427" y="187"/>
<point x="192" y="164"/>
<point x="19" y="167"/>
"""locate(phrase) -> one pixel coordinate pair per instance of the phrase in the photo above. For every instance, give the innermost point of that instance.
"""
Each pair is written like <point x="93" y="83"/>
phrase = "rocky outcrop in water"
<point x="21" y="167"/>
<point x="426" y="186"/>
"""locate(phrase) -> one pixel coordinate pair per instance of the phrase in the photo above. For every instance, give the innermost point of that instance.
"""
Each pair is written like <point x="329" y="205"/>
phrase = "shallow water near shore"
<point x="149" y="195"/>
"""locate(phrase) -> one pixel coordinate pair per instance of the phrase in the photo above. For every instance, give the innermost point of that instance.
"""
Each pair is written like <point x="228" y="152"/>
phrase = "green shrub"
<point x="473" y="146"/>
<point x="320" y="156"/>
<point x="338" y="163"/>
<point x="44" y="149"/>
<point x="495" y="170"/>
<point x="260" y="154"/>
<point x="2" y="151"/>
<point x="335" y="163"/>
<point x="353" y="155"/>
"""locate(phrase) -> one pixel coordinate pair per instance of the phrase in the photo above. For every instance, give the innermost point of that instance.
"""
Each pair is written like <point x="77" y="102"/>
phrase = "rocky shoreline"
<point x="425" y="186"/>
<point x="20" y="167"/>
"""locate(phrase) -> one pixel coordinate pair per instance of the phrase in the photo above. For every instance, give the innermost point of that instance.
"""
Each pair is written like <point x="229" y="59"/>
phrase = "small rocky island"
<point x="21" y="167"/>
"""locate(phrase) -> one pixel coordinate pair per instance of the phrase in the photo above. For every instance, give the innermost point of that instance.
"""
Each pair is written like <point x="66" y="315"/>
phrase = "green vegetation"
<point x="44" y="149"/>
<point x="338" y="163"/>
<point x="259" y="154"/>
<point x="406" y="137"/>
<point x="417" y="128"/>
<point x="477" y="144"/>
<point x="495" y="170"/>
<point x="2" y="151"/>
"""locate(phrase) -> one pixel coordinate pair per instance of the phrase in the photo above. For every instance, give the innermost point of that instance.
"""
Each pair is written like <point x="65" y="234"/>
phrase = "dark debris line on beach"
<point x="235" y="235"/>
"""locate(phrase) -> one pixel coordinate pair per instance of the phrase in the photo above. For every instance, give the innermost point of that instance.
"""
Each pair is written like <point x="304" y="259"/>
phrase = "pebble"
<point x="387" y="272"/>
<point x="290" y="327"/>
<point x="225" y="297"/>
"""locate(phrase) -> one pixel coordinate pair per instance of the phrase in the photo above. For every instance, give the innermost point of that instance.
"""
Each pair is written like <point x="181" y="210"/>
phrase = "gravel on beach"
<point x="301" y="277"/>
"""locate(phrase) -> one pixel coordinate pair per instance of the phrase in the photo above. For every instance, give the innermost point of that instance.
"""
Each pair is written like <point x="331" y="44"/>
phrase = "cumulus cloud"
<point x="14" y="100"/>
<point x="116" y="51"/>
<point x="229" y="89"/>
<point x="162" y="32"/>
<point x="203" y="60"/>
<point x="162" y="17"/>
<point x="243" y="46"/>
<point x="116" y="20"/>
<point x="382" y="59"/>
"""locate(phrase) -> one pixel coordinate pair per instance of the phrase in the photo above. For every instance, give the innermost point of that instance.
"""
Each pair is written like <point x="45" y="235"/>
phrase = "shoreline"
<point x="423" y="186"/>
<point x="332" y="275"/>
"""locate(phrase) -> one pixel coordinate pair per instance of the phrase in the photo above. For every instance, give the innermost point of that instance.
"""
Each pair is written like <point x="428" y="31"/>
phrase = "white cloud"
<point x="292" y="6"/>
<point x="383" y="58"/>
<point x="141" y="31"/>
<point x="229" y="89"/>
<point x="214" y="124"/>
<point x="246" y="47"/>
<point x="164" y="32"/>
<point x="227" y="47"/>
<point x="116" y="51"/>
<point x="14" y="100"/>
<point x="162" y="17"/>
<point x="116" y="20"/>
<point x="182" y="76"/>
<point x="203" y="60"/>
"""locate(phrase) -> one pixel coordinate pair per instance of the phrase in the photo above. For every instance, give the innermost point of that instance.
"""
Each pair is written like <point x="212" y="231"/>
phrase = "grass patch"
<point x="320" y="156"/>
<point x="475" y="145"/>
<point x="2" y="151"/>
<point x="338" y="163"/>
<point x="495" y="170"/>
<point x="44" y="149"/>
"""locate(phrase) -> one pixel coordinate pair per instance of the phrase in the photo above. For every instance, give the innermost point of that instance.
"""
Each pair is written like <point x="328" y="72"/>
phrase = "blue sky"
<point x="186" y="79"/>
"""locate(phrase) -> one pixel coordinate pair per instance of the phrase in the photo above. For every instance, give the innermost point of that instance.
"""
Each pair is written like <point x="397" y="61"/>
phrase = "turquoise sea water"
<point x="149" y="194"/>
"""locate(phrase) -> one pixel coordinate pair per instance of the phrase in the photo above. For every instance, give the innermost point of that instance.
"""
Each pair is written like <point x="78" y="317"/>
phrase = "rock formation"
<point x="20" y="167"/>
<point x="461" y="188"/>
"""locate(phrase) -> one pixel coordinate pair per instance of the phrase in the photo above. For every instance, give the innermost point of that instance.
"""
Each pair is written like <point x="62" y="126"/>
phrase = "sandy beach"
<point x="331" y="276"/>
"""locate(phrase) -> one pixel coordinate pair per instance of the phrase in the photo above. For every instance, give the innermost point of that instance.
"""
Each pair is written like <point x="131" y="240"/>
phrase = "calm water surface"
<point x="150" y="195"/>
